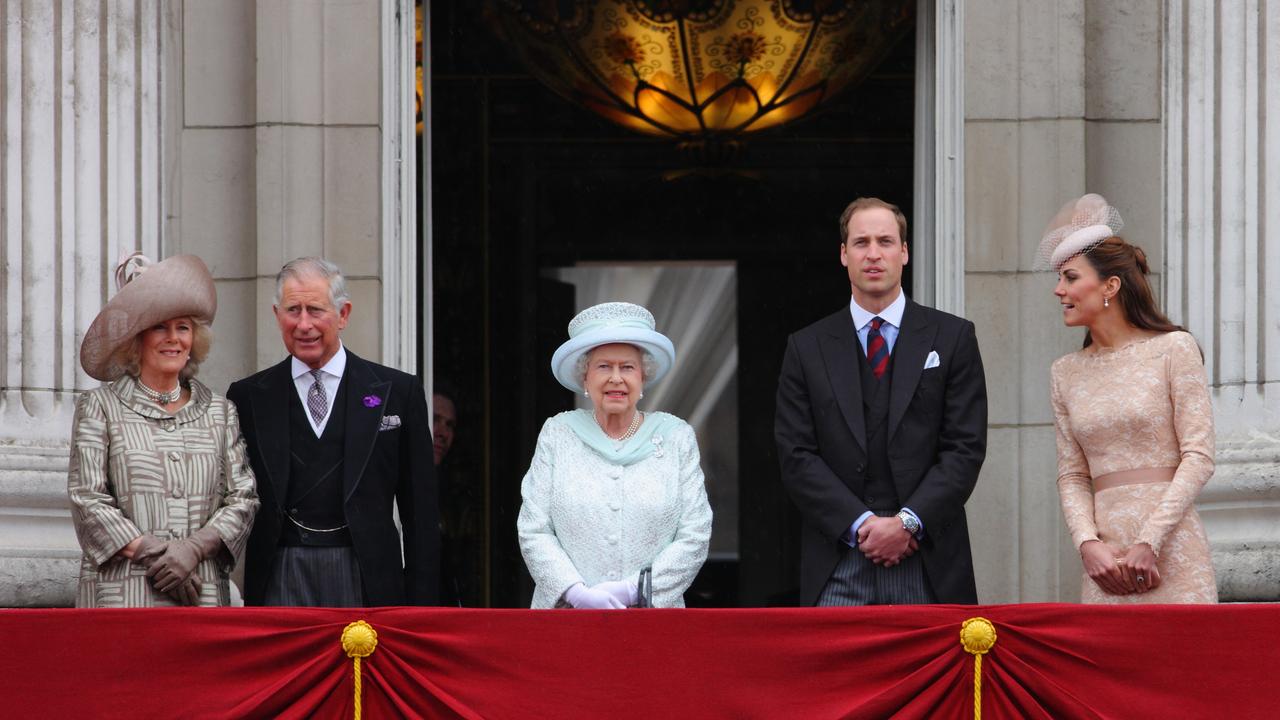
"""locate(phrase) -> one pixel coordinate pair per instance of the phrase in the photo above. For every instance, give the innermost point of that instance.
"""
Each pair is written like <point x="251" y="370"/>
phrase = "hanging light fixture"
<point x="701" y="71"/>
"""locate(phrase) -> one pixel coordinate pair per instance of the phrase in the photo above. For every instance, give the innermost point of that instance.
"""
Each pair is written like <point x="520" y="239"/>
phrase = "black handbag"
<point x="644" y="588"/>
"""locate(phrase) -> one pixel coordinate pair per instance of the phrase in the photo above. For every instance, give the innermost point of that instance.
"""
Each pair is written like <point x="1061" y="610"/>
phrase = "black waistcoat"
<point x="879" y="492"/>
<point x="315" y="475"/>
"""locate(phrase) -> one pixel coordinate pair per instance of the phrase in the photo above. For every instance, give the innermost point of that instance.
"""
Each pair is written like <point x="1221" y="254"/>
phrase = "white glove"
<point x="584" y="598"/>
<point x="623" y="591"/>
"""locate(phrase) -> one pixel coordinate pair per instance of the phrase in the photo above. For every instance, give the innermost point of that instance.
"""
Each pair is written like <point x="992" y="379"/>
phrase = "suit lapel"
<point x="915" y="338"/>
<point x="839" y="351"/>
<point x="271" y="419"/>
<point x="366" y="404"/>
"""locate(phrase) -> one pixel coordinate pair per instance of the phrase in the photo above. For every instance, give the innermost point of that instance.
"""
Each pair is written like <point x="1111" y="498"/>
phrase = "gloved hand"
<point x="149" y="548"/>
<point x="182" y="556"/>
<point x="188" y="591"/>
<point x="584" y="598"/>
<point x="623" y="591"/>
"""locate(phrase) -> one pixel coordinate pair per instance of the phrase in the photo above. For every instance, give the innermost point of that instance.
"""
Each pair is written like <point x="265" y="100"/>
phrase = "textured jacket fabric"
<point x="587" y="520"/>
<point x="137" y="469"/>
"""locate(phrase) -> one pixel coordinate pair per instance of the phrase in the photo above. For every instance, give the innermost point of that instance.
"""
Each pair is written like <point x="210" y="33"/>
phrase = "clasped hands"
<point x="1132" y="571"/>
<point x="171" y="564"/>
<point x="610" y="595"/>
<point x="884" y="541"/>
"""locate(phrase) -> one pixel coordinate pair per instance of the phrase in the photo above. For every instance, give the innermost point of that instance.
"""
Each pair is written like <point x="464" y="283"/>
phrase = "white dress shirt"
<point x="330" y="377"/>
<point x="892" y="317"/>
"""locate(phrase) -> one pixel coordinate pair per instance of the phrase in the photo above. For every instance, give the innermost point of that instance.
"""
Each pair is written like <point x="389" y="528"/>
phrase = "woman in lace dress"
<point x="615" y="512"/>
<point x="1134" y="421"/>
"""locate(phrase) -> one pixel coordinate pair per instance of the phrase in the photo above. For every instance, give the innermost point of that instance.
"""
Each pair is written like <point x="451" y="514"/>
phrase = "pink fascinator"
<point x="1079" y="226"/>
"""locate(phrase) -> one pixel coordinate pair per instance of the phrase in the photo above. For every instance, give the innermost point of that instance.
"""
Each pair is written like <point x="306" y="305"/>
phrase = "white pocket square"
<point x="389" y="422"/>
<point x="933" y="360"/>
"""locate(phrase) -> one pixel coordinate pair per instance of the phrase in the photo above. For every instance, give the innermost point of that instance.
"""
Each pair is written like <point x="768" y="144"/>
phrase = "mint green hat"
<point x="605" y="324"/>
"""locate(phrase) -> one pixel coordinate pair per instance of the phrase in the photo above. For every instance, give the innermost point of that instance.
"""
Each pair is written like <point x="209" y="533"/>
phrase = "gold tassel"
<point x="978" y="636"/>
<point x="359" y="640"/>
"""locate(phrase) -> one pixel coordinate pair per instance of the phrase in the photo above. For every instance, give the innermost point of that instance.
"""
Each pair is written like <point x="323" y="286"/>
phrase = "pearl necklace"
<point x="635" y="425"/>
<point x="161" y="398"/>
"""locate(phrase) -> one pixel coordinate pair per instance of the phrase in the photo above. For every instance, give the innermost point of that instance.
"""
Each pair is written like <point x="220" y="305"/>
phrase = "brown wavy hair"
<point x="1114" y="257"/>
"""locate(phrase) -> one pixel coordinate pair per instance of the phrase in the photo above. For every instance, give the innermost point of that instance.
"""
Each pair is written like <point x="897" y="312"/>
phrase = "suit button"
<point x="613" y="539"/>
<point x="177" y="492"/>
<point x="174" y="456"/>
<point x="615" y="473"/>
<point x="615" y="506"/>
<point x="862" y="468"/>
<point x="870" y="499"/>
<point x="613" y="575"/>
<point x="171" y="426"/>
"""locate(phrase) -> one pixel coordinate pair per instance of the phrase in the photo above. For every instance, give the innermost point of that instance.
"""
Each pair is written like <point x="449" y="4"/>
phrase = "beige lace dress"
<point x="1142" y="405"/>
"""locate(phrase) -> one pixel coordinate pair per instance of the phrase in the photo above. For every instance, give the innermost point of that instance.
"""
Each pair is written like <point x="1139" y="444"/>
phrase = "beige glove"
<point x="181" y="557"/>
<point x="188" y="592"/>
<point x="149" y="548"/>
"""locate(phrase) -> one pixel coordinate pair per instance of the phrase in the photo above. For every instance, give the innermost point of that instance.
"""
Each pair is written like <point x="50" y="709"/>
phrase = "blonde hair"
<point x="129" y="356"/>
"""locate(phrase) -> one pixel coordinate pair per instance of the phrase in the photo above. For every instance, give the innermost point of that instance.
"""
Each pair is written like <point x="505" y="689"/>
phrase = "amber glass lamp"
<point x="699" y="70"/>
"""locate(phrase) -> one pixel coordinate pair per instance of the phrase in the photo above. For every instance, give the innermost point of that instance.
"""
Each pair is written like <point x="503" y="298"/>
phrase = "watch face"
<point x="909" y="523"/>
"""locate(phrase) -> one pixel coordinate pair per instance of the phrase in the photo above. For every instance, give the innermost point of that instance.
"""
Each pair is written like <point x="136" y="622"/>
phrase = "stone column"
<point x="81" y="160"/>
<point x="1222" y="261"/>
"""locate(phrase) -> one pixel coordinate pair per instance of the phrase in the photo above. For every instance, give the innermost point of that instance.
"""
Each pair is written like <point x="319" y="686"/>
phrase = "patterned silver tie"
<point x="317" y="401"/>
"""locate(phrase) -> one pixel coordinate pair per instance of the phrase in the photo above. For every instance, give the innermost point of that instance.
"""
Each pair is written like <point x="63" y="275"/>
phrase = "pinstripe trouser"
<point x="314" y="577"/>
<point x="858" y="581"/>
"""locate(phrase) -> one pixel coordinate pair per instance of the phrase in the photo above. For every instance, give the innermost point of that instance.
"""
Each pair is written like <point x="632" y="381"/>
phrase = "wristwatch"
<point x="909" y="522"/>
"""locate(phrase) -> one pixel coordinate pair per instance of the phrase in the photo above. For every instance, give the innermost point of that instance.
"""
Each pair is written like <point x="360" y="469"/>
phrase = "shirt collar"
<point x="335" y="367"/>
<point x="891" y="314"/>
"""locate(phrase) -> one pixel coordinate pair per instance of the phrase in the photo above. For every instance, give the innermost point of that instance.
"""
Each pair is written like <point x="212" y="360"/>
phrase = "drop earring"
<point x="586" y="393"/>
<point x="641" y="396"/>
<point x="1106" y="302"/>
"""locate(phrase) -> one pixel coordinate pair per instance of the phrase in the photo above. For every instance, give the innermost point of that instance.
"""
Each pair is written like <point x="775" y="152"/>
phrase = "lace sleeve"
<point x="1075" y="488"/>
<point x="1193" y="425"/>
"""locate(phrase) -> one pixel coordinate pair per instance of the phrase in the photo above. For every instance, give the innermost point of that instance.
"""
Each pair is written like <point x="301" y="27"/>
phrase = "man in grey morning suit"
<point x="334" y="441"/>
<point x="881" y="429"/>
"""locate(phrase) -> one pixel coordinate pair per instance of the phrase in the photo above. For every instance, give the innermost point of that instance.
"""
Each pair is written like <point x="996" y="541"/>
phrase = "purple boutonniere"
<point x="372" y="401"/>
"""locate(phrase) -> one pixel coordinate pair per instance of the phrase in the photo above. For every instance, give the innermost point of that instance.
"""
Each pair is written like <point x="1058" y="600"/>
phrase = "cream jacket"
<point x="587" y="520"/>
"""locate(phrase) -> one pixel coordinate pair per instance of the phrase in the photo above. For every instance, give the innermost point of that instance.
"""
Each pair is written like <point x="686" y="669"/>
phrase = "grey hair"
<point x="315" y="267"/>
<point x="648" y="364"/>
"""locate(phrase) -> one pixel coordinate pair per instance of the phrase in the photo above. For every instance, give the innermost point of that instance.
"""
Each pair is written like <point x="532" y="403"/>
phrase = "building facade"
<point x="253" y="132"/>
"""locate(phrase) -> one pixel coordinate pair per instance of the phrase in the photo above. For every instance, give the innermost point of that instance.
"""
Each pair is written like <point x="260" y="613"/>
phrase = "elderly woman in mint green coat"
<point x="615" y="510"/>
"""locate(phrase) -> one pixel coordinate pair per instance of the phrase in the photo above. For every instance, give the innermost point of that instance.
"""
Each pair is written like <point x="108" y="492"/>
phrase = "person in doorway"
<point x="461" y="509"/>
<point x="336" y="442"/>
<point x="161" y="493"/>
<point x="1134" y="420"/>
<point x="614" y="512"/>
<point x="881" y="428"/>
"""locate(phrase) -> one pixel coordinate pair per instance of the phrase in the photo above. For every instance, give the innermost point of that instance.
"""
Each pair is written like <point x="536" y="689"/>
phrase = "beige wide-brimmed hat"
<point x="148" y="294"/>
<point x="607" y="323"/>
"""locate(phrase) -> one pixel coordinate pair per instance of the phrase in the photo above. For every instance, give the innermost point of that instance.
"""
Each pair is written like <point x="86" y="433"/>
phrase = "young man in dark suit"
<point x="881" y="428"/>
<point x="334" y="440"/>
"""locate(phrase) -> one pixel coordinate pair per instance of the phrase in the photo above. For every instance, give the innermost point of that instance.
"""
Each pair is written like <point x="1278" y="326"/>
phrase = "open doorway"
<point x="527" y="185"/>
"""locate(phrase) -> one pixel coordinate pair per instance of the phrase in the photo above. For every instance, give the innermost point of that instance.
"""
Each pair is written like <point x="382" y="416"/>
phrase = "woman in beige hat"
<point x="1133" y="418"/>
<point x="615" y="511"/>
<point x="162" y="497"/>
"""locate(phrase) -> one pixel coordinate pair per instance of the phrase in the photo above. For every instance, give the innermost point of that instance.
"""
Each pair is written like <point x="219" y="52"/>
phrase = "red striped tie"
<point x="877" y="349"/>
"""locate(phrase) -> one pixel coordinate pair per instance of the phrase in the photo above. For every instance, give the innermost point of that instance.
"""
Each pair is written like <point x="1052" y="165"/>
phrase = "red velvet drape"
<point x="1049" y="661"/>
